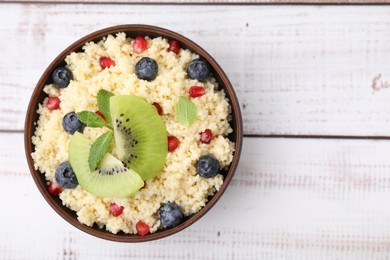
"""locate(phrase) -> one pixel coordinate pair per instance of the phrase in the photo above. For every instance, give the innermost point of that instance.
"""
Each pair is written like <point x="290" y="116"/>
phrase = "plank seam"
<point x="259" y="3"/>
<point x="346" y="137"/>
<point x="5" y="131"/>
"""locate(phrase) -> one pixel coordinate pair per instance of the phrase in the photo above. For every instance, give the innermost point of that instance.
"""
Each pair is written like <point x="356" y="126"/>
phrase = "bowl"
<point x="131" y="31"/>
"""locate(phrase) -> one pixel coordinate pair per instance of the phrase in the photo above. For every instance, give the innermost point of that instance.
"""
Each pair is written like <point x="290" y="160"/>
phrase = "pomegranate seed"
<point x="158" y="107"/>
<point x="173" y="143"/>
<point x="116" y="210"/>
<point x="53" y="103"/>
<point x="196" y="91"/>
<point x="140" y="44"/>
<point x="106" y="62"/>
<point x="102" y="116"/>
<point x="142" y="228"/>
<point x="54" y="189"/>
<point x="174" y="46"/>
<point x="206" y="136"/>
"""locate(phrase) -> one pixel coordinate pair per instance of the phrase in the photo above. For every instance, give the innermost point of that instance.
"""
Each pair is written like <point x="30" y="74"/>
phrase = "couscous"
<point x="179" y="181"/>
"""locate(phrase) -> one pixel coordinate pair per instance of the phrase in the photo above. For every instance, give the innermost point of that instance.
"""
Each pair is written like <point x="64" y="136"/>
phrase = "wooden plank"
<point x="297" y="70"/>
<point x="236" y="2"/>
<point x="290" y="199"/>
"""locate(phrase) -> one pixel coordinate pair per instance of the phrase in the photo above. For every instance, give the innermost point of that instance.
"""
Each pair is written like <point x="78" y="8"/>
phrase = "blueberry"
<point x="146" y="68"/>
<point x="71" y="123"/>
<point x="208" y="166"/>
<point x="65" y="176"/>
<point x="61" y="77"/>
<point x="170" y="214"/>
<point x="199" y="69"/>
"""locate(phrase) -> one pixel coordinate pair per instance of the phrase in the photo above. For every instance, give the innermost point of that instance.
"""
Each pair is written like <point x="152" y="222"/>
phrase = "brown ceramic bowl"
<point x="38" y="96"/>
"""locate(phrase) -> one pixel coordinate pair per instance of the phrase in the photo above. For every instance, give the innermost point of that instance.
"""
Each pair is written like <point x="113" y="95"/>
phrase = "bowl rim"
<point x="141" y="29"/>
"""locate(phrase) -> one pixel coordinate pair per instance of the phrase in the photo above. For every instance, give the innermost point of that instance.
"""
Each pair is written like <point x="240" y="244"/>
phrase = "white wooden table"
<point x="314" y="177"/>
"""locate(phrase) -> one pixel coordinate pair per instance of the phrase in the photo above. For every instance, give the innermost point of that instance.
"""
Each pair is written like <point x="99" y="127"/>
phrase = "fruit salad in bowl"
<point x="133" y="133"/>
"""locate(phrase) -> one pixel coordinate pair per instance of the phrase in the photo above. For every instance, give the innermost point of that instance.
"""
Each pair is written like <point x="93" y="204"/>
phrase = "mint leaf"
<point x="99" y="149"/>
<point x="91" y="119"/>
<point x="103" y="101"/>
<point x="185" y="111"/>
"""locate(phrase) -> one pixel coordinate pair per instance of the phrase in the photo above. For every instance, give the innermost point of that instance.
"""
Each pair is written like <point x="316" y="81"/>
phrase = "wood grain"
<point x="290" y="199"/>
<point x="297" y="70"/>
<point x="235" y="2"/>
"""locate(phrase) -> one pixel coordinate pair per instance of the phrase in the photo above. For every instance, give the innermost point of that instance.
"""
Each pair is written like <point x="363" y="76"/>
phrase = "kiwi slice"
<point x="140" y="135"/>
<point x="110" y="179"/>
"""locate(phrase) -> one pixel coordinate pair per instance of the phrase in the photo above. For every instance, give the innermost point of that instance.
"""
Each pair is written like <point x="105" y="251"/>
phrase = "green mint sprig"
<point x="186" y="111"/>
<point x="92" y="119"/>
<point x="99" y="149"/>
<point x="102" y="143"/>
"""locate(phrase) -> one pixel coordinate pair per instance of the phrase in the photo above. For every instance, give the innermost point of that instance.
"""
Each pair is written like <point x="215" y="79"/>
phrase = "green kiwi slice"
<point x="140" y="135"/>
<point x="110" y="179"/>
